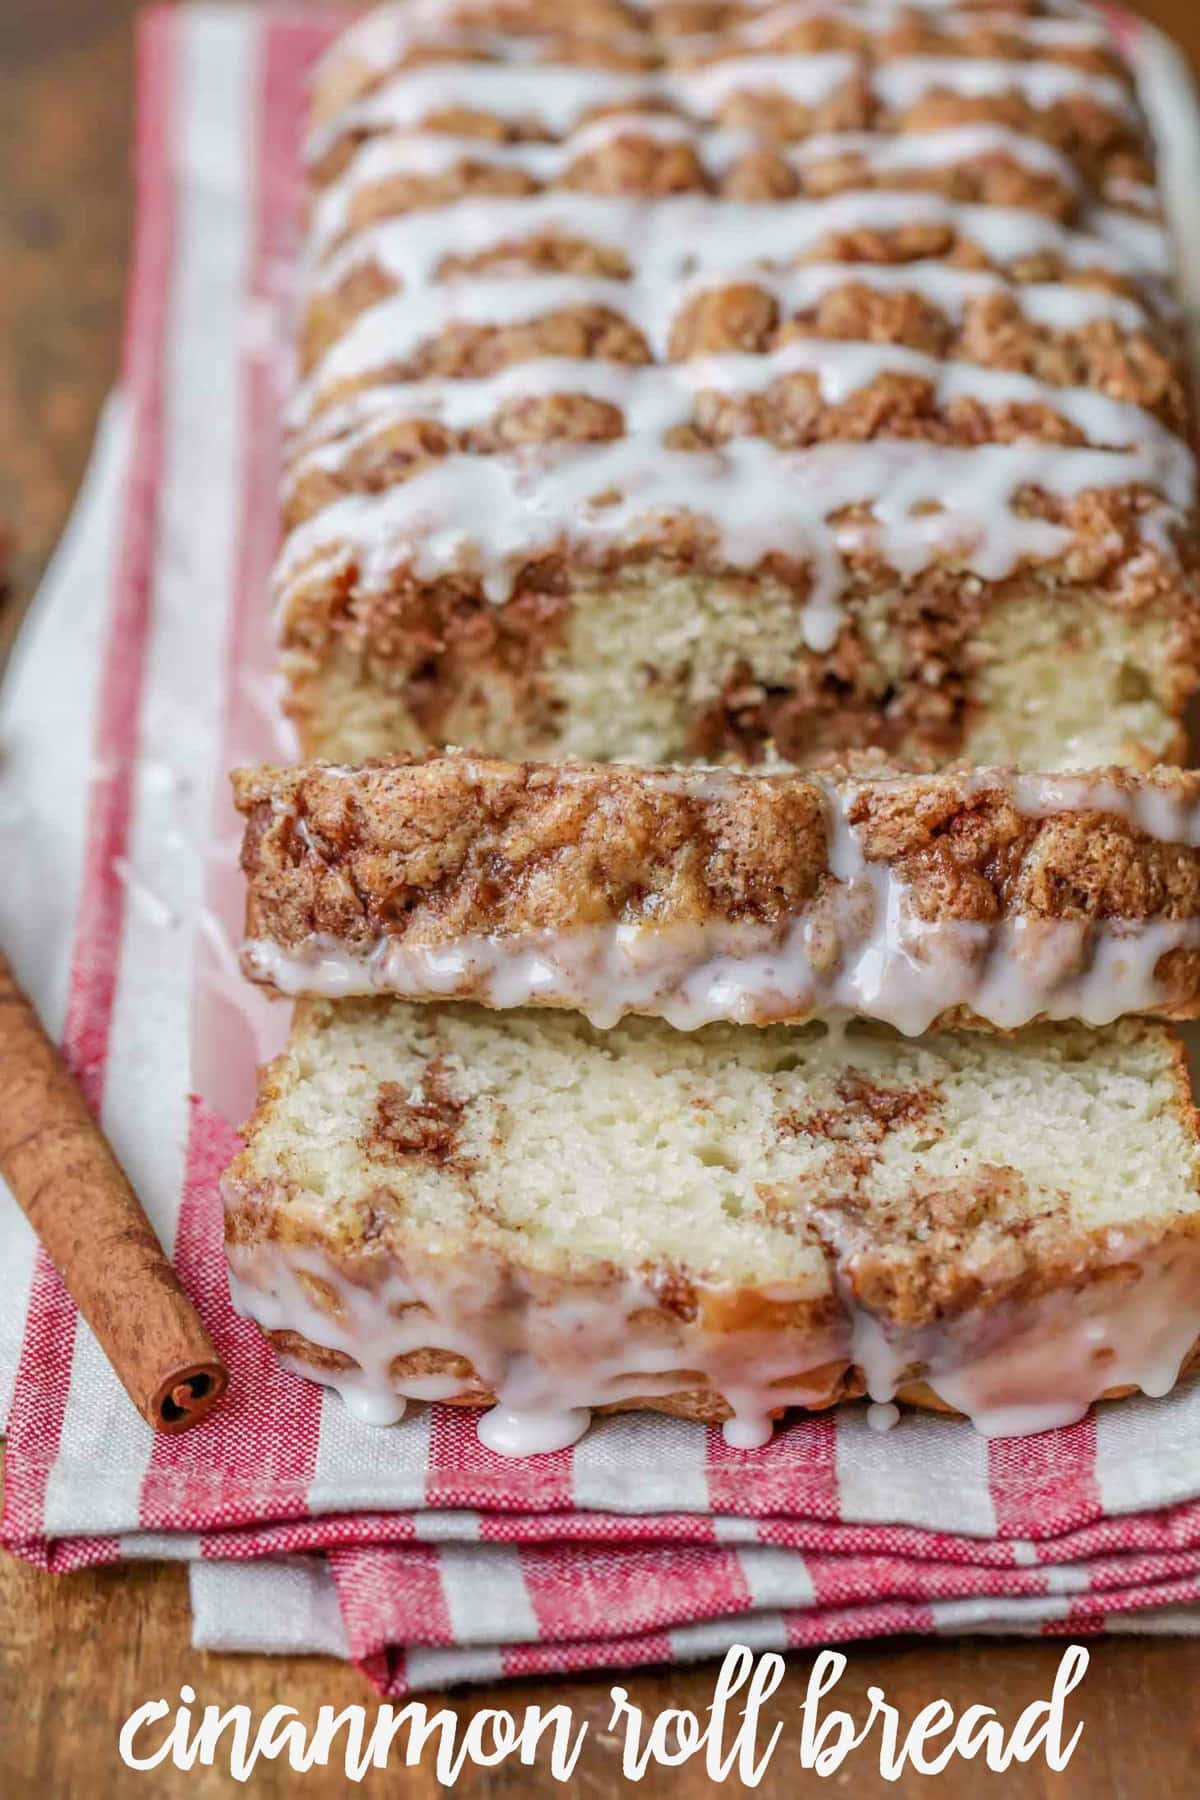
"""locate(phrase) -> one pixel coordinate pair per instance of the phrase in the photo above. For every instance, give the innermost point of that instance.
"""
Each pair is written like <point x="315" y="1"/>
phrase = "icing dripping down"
<point x="748" y="1431"/>
<point x="860" y="945"/>
<point x="893" y="967"/>
<point x="372" y="1407"/>
<point x="511" y="1433"/>
<point x="544" y="1358"/>
<point x="490" y="514"/>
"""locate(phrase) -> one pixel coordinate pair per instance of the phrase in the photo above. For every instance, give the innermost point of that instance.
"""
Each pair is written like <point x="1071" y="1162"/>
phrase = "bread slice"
<point x="443" y="1203"/>
<point x="679" y="382"/>
<point x="978" y="897"/>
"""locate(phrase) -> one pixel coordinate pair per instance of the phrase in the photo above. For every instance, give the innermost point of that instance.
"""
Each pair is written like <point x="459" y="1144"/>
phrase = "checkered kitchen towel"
<point x="413" y="1550"/>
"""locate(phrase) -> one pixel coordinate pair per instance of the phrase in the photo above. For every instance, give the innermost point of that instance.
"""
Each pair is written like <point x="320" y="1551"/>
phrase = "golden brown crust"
<point x="437" y="850"/>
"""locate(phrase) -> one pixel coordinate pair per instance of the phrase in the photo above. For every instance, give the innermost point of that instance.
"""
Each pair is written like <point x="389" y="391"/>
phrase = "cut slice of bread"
<point x="979" y="897"/>
<point x="443" y="1203"/>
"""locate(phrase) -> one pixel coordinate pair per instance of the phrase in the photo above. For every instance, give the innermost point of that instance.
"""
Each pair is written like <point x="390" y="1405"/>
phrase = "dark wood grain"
<point x="79" y="1653"/>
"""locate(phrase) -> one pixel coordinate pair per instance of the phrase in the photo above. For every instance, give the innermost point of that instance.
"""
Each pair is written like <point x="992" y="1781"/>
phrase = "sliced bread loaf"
<point x="980" y="897"/>
<point x="524" y="1212"/>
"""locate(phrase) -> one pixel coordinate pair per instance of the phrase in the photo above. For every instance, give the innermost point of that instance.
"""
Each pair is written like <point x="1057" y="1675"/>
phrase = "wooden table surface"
<point x="79" y="1653"/>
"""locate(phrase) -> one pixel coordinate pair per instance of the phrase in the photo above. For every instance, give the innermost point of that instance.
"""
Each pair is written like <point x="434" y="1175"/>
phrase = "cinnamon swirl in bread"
<point x="453" y="1204"/>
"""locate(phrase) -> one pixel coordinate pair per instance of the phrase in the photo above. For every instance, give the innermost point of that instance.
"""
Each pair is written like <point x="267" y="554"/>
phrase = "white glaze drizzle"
<point x="1158" y="811"/>
<point x="1012" y="1368"/>
<point x="1068" y="12"/>
<point x="901" y="81"/>
<point x="386" y="33"/>
<point x="1141" y="196"/>
<point x="547" y="1365"/>
<point x="491" y="513"/>
<point x="381" y="335"/>
<point x="511" y="1433"/>
<point x="894" y="967"/>
<point x="559" y="96"/>
<point x="880" y="153"/>
<point x="764" y="18"/>
<point x="655" y="398"/>
<point x="691" y="234"/>
<point x="1140" y="1339"/>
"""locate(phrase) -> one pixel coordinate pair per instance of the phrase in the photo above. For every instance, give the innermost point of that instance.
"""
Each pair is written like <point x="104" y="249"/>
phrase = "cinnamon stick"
<point x="79" y="1201"/>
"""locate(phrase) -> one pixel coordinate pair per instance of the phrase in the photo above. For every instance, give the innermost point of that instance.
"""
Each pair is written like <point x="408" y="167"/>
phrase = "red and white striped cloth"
<point x="413" y="1550"/>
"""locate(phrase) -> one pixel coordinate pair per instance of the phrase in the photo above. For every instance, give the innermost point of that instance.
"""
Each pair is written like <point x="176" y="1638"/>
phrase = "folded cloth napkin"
<point x="414" y="1550"/>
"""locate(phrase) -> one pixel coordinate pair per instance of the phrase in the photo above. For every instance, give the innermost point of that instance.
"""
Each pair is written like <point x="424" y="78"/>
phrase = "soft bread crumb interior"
<point x="566" y="1147"/>
<point x="1070" y="684"/>
<point x="1075" y="687"/>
